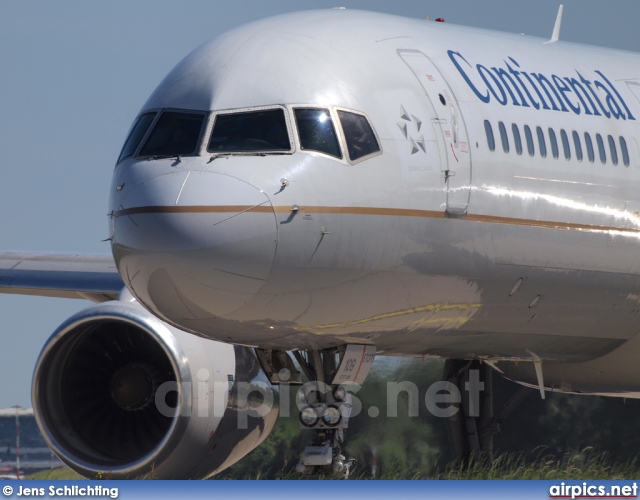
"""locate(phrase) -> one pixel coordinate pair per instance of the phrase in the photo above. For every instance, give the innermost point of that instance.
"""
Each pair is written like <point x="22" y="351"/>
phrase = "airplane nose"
<point x="194" y="245"/>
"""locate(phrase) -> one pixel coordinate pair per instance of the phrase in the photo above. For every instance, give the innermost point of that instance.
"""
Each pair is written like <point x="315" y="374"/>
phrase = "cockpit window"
<point x="136" y="135"/>
<point x="264" y="130"/>
<point x="316" y="131"/>
<point x="361" y="141"/>
<point x="174" y="134"/>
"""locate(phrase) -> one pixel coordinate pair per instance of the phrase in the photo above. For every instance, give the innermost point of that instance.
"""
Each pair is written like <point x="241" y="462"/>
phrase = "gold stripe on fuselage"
<point x="391" y="212"/>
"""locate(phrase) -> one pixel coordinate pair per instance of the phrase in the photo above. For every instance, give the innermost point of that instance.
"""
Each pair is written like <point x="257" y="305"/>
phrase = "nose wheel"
<point x="324" y="402"/>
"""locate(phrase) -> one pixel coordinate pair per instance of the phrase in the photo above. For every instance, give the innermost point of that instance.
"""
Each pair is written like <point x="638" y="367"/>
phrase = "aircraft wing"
<point x="92" y="277"/>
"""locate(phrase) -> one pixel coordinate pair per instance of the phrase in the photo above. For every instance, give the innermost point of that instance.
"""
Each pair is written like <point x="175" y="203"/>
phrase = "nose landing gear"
<point x="324" y="403"/>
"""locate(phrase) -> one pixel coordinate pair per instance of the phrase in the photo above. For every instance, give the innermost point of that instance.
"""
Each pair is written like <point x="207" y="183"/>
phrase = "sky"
<point x="74" y="74"/>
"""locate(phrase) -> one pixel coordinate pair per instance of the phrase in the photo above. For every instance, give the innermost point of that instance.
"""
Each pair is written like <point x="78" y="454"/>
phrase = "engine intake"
<point x="118" y="392"/>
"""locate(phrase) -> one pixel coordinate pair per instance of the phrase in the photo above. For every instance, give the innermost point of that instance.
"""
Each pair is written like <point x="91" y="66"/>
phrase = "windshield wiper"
<point x="248" y="153"/>
<point x="178" y="158"/>
<point x="215" y="157"/>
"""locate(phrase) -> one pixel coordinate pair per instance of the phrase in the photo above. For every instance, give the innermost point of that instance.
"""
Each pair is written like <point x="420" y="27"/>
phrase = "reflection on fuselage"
<point x="332" y="200"/>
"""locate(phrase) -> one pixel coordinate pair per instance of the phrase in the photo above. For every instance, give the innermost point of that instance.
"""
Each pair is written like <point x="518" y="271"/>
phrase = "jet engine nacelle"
<point x="119" y="393"/>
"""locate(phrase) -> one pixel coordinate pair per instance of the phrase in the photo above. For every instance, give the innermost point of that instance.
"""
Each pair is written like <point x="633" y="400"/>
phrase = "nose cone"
<point x="194" y="245"/>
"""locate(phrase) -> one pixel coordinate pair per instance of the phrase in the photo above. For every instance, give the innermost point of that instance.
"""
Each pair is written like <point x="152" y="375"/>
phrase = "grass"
<point x="579" y="465"/>
<point x="64" y="473"/>
<point x="585" y="464"/>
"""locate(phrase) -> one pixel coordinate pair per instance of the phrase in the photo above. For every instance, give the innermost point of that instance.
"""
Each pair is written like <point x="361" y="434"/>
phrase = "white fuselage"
<point x="435" y="245"/>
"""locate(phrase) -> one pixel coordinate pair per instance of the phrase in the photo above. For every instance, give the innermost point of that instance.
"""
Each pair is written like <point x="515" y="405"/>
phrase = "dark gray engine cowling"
<point x="119" y="393"/>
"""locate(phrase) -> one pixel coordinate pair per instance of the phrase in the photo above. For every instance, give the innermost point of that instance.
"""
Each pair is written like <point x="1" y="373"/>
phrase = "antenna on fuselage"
<point x="555" y="36"/>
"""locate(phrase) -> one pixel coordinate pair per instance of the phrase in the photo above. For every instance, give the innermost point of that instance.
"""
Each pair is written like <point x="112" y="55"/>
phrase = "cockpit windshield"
<point x="264" y="130"/>
<point x="257" y="131"/>
<point x="174" y="134"/>
<point x="361" y="141"/>
<point x="316" y="131"/>
<point x="136" y="135"/>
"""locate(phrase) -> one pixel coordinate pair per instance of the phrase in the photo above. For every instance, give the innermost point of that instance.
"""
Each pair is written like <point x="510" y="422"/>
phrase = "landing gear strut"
<point x="472" y="428"/>
<point x="325" y="408"/>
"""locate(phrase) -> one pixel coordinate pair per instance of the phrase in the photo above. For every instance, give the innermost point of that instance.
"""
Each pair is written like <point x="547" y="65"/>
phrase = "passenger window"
<point x="316" y="132"/>
<point x="601" y="151"/>
<point x="503" y="137"/>
<point x="613" y="150"/>
<point x="565" y="144"/>
<point x="516" y="138"/>
<point x="590" y="152"/>
<point x="264" y="130"/>
<point x="137" y="133"/>
<point x="577" y="145"/>
<point x="174" y="134"/>
<point x="625" y="151"/>
<point x="489" y="131"/>
<point x="361" y="141"/>
<point x="529" y="137"/>
<point x="554" y="143"/>
<point x="542" y="145"/>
